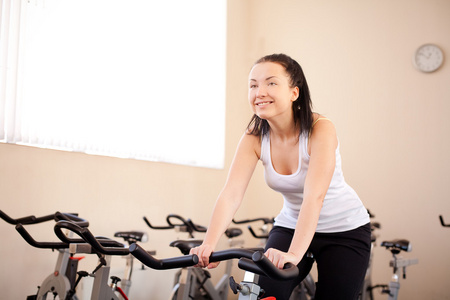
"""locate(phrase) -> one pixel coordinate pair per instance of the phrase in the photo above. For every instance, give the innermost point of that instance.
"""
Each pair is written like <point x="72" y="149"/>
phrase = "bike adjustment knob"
<point x="235" y="287"/>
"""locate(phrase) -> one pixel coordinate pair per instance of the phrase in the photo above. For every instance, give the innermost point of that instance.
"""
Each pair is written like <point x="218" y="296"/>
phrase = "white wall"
<point x="391" y="119"/>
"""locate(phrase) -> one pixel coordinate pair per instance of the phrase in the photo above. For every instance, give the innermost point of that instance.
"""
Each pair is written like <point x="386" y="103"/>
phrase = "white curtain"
<point x="136" y="79"/>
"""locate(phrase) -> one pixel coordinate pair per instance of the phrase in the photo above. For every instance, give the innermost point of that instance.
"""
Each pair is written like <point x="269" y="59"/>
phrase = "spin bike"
<point x="196" y="283"/>
<point x="62" y="281"/>
<point x="252" y="261"/>
<point x="104" y="248"/>
<point x="307" y="287"/>
<point x="397" y="264"/>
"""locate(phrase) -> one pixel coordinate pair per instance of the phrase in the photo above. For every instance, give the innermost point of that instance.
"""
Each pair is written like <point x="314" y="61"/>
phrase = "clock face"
<point x="428" y="58"/>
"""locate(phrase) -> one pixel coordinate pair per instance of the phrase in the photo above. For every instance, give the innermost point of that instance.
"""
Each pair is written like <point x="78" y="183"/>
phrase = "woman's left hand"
<point x="280" y="258"/>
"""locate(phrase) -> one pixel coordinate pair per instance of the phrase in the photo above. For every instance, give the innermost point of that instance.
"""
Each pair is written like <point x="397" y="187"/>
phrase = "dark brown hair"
<point x="301" y="107"/>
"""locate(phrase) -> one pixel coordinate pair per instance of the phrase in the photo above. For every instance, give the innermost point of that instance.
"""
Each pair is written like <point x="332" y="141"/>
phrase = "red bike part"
<point x="121" y="293"/>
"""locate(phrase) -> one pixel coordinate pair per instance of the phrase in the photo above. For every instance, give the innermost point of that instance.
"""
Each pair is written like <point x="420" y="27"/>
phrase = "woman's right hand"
<point x="204" y="252"/>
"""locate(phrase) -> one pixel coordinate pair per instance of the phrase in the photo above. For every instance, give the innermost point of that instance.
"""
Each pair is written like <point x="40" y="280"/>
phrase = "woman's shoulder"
<point x="251" y="142"/>
<point x="318" y="117"/>
<point x="322" y="127"/>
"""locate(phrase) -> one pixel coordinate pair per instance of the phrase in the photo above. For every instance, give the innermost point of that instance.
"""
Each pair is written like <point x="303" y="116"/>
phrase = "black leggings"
<point x="342" y="259"/>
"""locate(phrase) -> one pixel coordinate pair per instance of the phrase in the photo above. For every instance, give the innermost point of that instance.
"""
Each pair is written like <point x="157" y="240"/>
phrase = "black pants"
<point x="342" y="259"/>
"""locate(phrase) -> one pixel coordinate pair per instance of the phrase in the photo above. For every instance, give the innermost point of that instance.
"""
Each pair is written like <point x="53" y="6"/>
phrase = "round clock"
<point x="428" y="58"/>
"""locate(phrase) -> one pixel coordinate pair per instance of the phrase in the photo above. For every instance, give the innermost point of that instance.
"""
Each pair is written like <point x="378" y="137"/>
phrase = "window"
<point x="127" y="78"/>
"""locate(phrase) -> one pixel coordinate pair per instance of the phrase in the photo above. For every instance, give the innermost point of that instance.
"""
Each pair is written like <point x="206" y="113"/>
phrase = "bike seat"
<point x="398" y="244"/>
<point x="132" y="236"/>
<point x="233" y="232"/>
<point x="186" y="245"/>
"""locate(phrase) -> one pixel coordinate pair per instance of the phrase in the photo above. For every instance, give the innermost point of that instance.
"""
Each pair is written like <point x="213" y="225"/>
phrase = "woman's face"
<point x="270" y="94"/>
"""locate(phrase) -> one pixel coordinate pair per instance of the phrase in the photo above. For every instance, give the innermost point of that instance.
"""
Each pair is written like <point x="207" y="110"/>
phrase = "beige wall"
<point x="392" y="123"/>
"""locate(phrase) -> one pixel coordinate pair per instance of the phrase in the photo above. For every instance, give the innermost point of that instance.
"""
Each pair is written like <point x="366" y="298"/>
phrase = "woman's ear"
<point x="295" y="93"/>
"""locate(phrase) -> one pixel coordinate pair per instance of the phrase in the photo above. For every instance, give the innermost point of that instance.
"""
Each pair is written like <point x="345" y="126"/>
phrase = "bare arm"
<point x="230" y="197"/>
<point x="323" y="144"/>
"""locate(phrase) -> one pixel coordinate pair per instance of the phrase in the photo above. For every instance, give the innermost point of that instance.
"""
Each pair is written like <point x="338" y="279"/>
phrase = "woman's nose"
<point x="261" y="92"/>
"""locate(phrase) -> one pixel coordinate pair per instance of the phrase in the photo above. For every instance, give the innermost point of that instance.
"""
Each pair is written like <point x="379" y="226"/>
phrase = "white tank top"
<point x="342" y="209"/>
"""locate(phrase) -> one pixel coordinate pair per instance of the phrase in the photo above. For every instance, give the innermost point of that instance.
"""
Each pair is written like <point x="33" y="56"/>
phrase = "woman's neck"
<point x="284" y="131"/>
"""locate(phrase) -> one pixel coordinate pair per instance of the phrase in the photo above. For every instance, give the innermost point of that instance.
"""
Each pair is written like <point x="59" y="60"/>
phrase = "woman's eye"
<point x="253" y="86"/>
<point x="272" y="83"/>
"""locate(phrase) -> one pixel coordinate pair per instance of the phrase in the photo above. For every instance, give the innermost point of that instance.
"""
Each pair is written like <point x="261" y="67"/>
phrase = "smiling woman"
<point x="116" y="78"/>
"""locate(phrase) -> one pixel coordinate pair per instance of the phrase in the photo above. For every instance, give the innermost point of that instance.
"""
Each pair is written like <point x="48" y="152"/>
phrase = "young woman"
<point x="321" y="213"/>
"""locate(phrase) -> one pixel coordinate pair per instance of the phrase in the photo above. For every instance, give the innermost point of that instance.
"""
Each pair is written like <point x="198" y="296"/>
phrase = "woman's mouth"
<point x="263" y="103"/>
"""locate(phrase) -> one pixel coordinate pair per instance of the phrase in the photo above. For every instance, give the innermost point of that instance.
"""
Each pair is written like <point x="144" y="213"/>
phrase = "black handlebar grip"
<point x="198" y="228"/>
<point x="162" y="264"/>
<point x="87" y="236"/>
<point x="173" y="216"/>
<point x="230" y="254"/>
<point x="156" y="227"/>
<point x="441" y="218"/>
<point x="35" y="220"/>
<point x="290" y="271"/>
<point x="24" y="220"/>
<point x="248" y="265"/>
<point x="72" y="218"/>
<point x="265" y="236"/>
<point x="43" y="245"/>
<point x="264" y="220"/>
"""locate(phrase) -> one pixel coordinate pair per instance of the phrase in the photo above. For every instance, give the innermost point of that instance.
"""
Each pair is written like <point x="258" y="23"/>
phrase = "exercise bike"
<point x="306" y="289"/>
<point x="397" y="264"/>
<point x="62" y="281"/>
<point x="104" y="248"/>
<point x="252" y="261"/>
<point x="196" y="283"/>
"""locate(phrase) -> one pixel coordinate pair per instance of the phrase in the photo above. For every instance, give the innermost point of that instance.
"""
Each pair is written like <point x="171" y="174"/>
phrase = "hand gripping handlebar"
<point x="267" y="268"/>
<point x="250" y="260"/>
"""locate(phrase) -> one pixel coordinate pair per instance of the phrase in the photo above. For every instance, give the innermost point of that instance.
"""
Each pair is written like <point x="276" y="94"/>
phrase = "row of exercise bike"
<point x="190" y="282"/>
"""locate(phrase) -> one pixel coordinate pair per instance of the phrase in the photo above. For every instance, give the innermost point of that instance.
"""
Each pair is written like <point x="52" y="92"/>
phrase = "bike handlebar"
<point x="156" y="227"/>
<point x="264" y="220"/>
<point x="29" y="220"/>
<point x="43" y="245"/>
<point x="250" y="260"/>
<point x="103" y="246"/>
<point x="162" y="264"/>
<point x="264" y="236"/>
<point x="442" y="221"/>
<point x="57" y="216"/>
<point x="267" y="268"/>
<point x="187" y="225"/>
<point x="23" y="220"/>
<point x="255" y="261"/>
<point x="72" y="218"/>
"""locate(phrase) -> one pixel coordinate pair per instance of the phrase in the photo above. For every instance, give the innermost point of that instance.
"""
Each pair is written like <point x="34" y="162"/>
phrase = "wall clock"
<point x="428" y="58"/>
